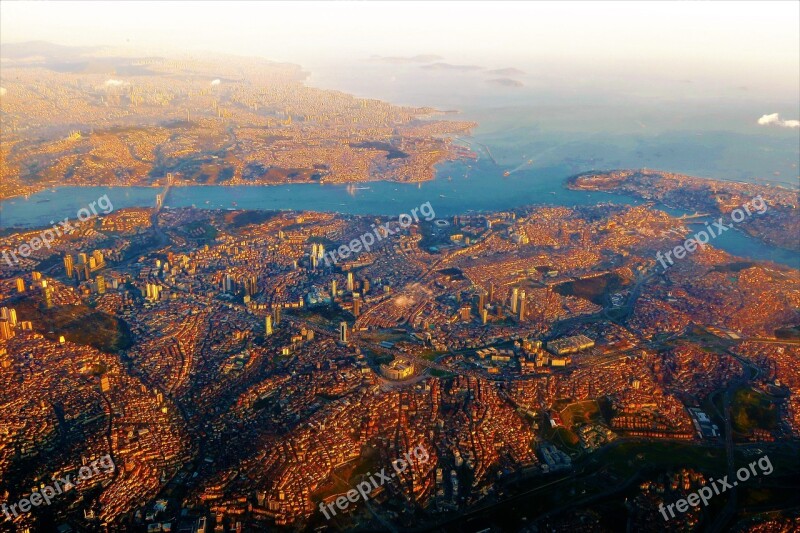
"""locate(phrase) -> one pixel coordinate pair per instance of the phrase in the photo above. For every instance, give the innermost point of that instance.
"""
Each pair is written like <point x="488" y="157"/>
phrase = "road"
<point x="730" y="507"/>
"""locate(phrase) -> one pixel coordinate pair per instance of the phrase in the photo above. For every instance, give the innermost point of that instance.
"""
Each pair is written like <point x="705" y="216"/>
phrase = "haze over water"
<point x="560" y="132"/>
<point x="558" y="117"/>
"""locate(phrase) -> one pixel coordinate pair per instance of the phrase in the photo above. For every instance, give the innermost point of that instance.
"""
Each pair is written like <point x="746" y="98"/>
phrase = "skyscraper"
<point x="356" y="305"/>
<point x="6" y="332"/>
<point x="48" y="297"/>
<point x="522" y="305"/>
<point x="68" y="265"/>
<point x="277" y="315"/>
<point x="153" y="291"/>
<point x="269" y="325"/>
<point x="350" y="281"/>
<point x="343" y="331"/>
<point x="250" y="285"/>
<point x="333" y="290"/>
<point x="20" y="285"/>
<point x="514" y="298"/>
<point x="101" y="285"/>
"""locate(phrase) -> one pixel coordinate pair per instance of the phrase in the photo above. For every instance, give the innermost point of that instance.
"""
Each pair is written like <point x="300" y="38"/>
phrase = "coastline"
<point x="183" y="185"/>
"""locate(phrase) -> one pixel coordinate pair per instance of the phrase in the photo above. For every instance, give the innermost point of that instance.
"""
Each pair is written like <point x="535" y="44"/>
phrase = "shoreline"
<point x="183" y="185"/>
<point x="569" y="183"/>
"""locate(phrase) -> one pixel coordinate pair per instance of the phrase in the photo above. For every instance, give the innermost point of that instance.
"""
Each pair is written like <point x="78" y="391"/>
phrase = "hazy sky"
<point x="739" y="41"/>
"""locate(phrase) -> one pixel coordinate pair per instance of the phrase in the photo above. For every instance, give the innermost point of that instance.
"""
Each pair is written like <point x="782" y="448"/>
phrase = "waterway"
<point x="461" y="187"/>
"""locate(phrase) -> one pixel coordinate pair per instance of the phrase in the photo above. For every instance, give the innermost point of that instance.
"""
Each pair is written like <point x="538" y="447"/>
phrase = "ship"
<point x="506" y="173"/>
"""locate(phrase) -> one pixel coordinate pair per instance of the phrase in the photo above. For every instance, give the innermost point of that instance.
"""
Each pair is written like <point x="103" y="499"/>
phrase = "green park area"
<point x="753" y="410"/>
<point x="77" y="323"/>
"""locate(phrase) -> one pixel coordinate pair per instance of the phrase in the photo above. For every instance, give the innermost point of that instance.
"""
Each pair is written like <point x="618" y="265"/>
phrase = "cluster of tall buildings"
<point x="484" y="299"/>
<point x="9" y="322"/>
<point x="86" y="264"/>
<point x="316" y="255"/>
<point x="241" y="284"/>
<point x="152" y="292"/>
<point x="39" y="284"/>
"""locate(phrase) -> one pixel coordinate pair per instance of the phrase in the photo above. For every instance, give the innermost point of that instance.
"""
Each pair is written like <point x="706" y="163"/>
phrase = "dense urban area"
<point x="555" y="374"/>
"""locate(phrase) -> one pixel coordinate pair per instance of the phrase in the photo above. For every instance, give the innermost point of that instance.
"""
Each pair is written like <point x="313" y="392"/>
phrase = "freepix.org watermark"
<point x="712" y="231"/>
<point x="44" y="496"/>
<point x="379" y="232"/>
<point x="372" y="482"/>
<point x="716" y="487"/>
<point x="47" y="236"/>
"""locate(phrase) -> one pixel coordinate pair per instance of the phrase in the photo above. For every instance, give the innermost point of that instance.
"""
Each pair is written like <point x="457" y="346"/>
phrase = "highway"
<point x="730" y="507"/>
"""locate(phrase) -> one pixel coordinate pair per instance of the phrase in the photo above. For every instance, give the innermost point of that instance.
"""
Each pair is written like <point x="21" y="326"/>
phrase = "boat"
<point x="442" y="196"/>
<point x="506" y="173"/>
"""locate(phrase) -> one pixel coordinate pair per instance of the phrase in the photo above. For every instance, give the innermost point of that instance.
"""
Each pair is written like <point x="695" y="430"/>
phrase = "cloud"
<point x="774" y="119"/>
<point x="115" y="83"/>
<point x="215" y="82"/>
